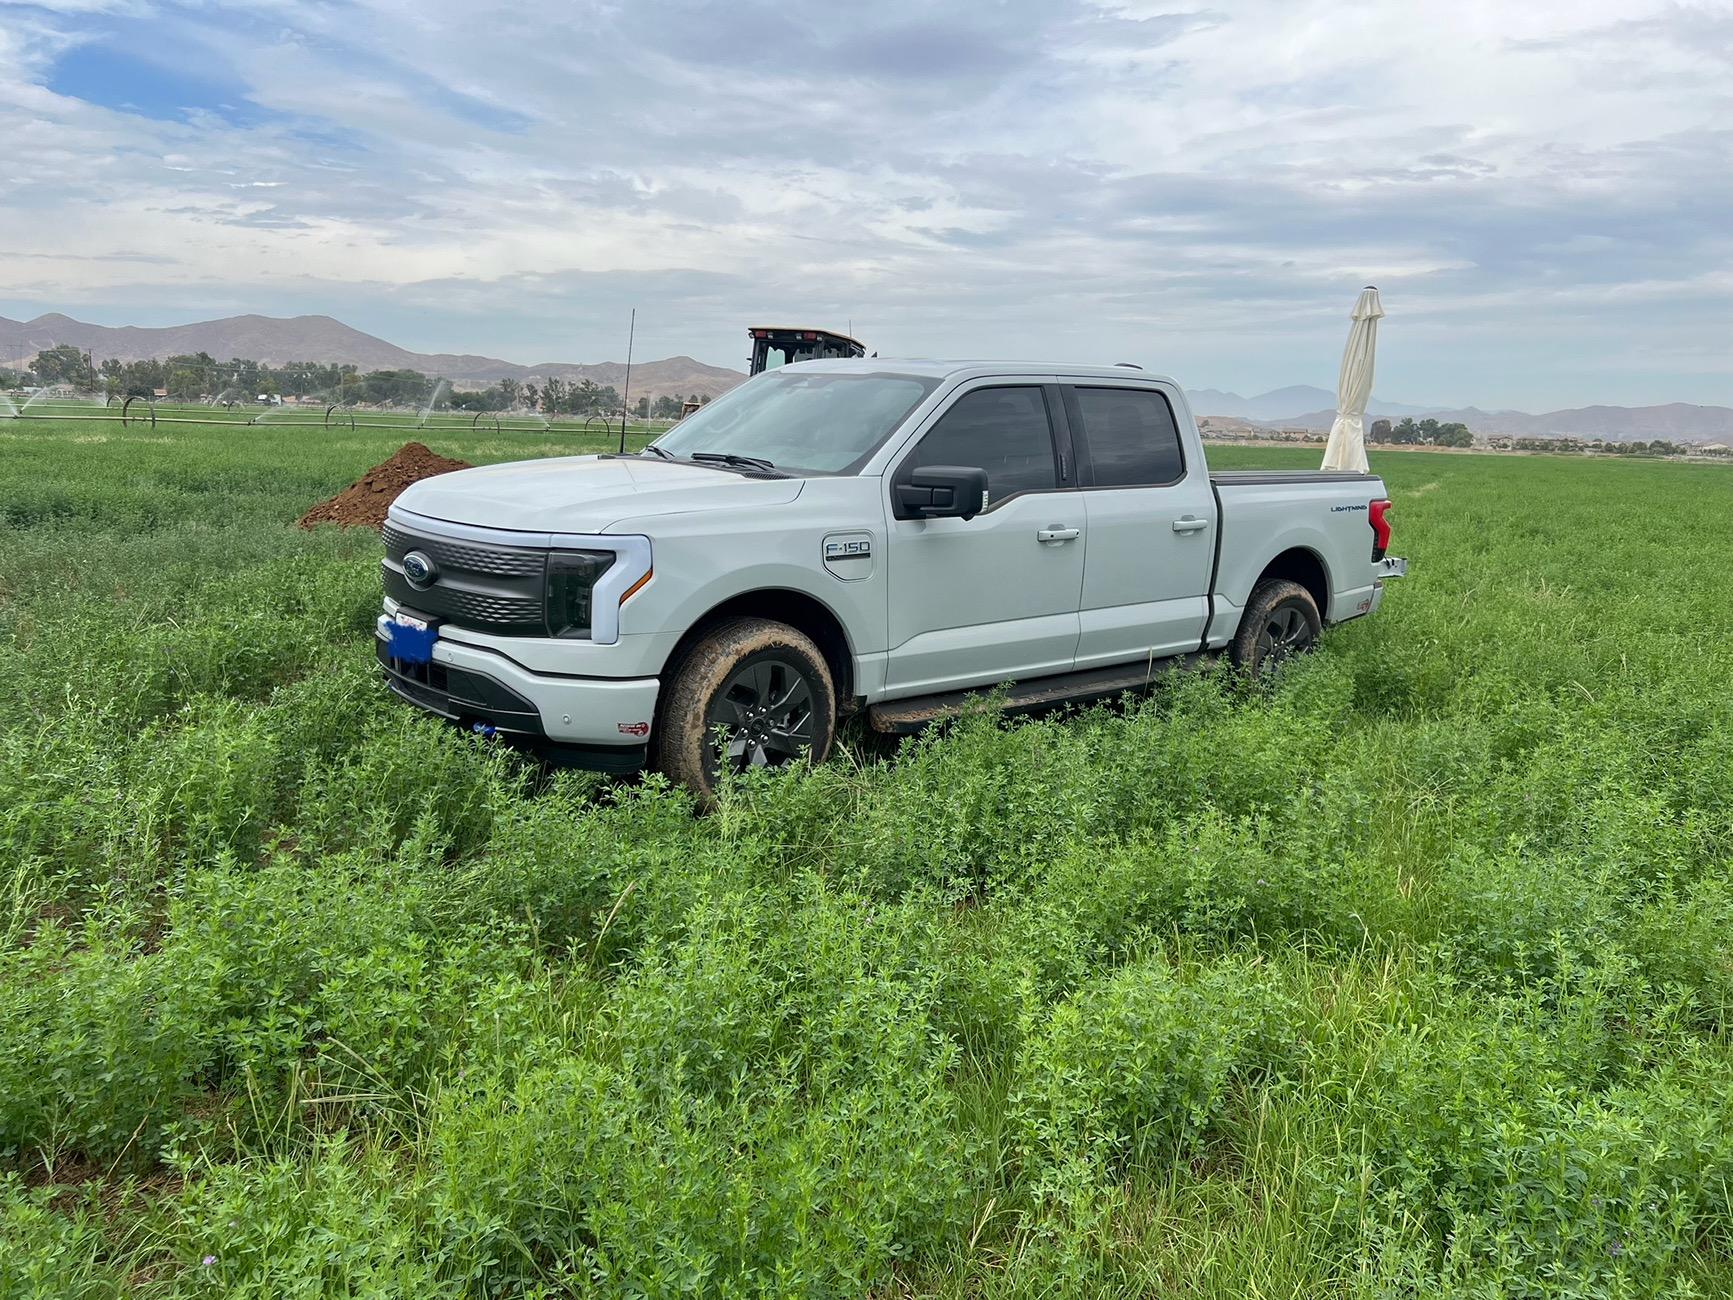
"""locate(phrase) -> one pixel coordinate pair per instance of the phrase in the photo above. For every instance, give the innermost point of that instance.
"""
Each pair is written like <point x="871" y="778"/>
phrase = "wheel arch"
<point x="800" y="610"/>
<point x="1305" y="566"/>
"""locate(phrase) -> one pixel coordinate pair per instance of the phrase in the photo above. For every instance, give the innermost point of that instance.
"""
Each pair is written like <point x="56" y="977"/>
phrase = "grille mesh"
<point x="489" y="588"/>
<point x="495" y="561"/>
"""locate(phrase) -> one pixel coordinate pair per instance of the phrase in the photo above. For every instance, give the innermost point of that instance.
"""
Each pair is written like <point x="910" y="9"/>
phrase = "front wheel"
<point x="1281" y="620"/>
<point x="751" y="693"/>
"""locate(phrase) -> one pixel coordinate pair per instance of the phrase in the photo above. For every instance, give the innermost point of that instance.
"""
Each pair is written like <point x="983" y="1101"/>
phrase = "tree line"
<point x="1408" y="432"/>
<point x="201" y="377"/>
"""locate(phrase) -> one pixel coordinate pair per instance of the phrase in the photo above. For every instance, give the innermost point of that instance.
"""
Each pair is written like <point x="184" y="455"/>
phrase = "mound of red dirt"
<point x="365" y="501"/>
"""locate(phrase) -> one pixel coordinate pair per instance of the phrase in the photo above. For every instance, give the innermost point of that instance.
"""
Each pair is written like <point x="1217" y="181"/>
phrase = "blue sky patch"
<point x="127" y="82"/>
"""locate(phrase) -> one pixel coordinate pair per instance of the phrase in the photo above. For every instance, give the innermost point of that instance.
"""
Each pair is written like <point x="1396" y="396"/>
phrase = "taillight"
<point x="1377" y="512"/>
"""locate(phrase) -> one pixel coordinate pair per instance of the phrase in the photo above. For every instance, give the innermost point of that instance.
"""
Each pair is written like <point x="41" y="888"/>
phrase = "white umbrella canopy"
<point x="1347" y="446"/>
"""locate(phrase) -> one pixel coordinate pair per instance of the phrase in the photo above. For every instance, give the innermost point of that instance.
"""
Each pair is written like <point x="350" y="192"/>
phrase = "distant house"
<point x="159" y="392"/>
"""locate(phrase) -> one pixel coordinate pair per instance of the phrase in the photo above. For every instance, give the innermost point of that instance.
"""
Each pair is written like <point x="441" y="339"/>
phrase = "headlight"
<point x="589" y="576"/>
<point x="571" y="588"/>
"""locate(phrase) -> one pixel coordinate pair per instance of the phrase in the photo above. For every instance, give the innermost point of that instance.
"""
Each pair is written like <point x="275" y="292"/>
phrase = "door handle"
<point x="1189" y="524"/>
<point x="1057" y="534"/>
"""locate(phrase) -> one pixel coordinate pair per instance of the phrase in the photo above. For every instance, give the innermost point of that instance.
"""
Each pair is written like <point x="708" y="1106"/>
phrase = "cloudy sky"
<point x="1543" y="192"/>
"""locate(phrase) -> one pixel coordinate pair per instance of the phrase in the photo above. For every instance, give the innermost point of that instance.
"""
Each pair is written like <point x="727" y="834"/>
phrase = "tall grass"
<point x="1405" y="974"/>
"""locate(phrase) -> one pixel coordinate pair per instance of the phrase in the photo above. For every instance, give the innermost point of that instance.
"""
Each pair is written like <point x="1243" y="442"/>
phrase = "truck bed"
<point x="1252" y="477"/>
<point x="1320" y="514"/>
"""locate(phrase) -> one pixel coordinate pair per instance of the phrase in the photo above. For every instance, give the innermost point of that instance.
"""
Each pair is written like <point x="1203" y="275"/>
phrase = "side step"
<point x="905" y="717"/>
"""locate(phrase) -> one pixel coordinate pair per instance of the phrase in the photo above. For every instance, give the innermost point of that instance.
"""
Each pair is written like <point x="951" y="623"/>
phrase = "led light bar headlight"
<point x="588" y="579"/>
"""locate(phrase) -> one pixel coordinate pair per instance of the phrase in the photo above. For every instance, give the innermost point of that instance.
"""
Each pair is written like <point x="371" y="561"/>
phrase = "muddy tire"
<point x="751" y="693"/>
<point x="1281" y="620"/>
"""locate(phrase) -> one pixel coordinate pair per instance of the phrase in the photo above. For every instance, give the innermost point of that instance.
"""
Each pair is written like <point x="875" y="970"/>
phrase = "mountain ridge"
<point x="278" y="340"/>
<point x="1675" y="421"/>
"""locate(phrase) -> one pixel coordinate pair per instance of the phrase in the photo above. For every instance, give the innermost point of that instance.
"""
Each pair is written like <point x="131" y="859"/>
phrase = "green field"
<point x="1406" y="974"/>
<point x="81" y="415"/>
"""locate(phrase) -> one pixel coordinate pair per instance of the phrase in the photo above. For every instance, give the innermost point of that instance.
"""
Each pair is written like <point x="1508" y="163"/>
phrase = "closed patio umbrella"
<point x="1347" y="446"/>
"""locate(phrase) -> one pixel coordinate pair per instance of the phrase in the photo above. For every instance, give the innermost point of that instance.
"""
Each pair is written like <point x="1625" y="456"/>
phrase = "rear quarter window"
<point x="1129" y="436"/>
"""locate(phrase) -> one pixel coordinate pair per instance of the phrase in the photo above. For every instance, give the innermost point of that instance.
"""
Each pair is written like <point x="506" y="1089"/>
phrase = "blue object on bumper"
<point x="410" y="641"/>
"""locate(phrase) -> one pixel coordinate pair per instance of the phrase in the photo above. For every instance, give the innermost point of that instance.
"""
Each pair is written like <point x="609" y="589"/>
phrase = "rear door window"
<point x="1129" y="437"/>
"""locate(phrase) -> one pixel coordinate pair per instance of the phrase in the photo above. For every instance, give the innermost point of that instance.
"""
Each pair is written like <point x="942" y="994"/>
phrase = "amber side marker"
<point x="633" y="589"/>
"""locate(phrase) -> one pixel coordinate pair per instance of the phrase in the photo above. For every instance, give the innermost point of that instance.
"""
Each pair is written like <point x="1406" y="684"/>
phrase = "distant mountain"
<point x="1675" y="421"/>
<point x="1276" y="406"/>
<point x="277" y="340"/>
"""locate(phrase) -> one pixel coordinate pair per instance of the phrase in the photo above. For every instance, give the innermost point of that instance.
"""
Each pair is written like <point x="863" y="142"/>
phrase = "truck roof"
<point x="933" y="369"/>
<point x="803" y="329"/>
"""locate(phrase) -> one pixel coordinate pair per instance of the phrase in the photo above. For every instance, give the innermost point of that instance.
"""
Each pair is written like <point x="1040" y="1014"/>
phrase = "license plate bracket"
<point x="409" y="637"/>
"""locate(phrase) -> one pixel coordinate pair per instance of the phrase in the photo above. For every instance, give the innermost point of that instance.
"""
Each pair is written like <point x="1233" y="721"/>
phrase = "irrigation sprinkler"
<point x="126" y="415"/>
<point x="138" y="409"/>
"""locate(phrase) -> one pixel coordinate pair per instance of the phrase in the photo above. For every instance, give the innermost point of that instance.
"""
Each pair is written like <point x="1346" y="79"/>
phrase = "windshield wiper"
<point x="660" y="451"/>
<point x="730" y="458"/>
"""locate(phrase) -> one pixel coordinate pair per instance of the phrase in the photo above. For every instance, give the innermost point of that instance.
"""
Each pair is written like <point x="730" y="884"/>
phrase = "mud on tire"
<point x="1281" y="620"/>
<point x="763" y="683"/>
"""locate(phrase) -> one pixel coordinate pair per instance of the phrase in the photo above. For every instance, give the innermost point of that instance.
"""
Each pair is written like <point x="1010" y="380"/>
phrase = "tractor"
<point x="774" y="346"/>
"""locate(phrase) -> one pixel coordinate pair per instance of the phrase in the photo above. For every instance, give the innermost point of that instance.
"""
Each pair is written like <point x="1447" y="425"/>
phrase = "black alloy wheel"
<point x="1286" y="632"/>
<point x="750" y="692"/>
<point x="762" y="716"/>
<point x="1281" y="620"/>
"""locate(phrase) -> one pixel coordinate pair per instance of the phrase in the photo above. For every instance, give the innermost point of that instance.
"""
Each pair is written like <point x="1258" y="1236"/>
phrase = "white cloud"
<point x="1202" y="190"/>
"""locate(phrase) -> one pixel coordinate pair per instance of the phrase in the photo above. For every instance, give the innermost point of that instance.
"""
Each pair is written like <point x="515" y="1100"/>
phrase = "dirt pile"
<point x="365" y="501"/>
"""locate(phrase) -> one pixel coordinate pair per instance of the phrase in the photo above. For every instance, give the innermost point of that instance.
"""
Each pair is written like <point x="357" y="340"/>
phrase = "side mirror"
<point x="941" y="492"/>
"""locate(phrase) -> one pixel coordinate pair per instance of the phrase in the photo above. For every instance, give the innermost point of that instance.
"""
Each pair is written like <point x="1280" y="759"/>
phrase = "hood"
<point x="585" y="494"/>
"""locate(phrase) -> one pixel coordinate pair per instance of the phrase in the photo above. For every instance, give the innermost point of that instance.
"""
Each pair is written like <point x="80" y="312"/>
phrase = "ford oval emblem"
<point x="420" y="569"/>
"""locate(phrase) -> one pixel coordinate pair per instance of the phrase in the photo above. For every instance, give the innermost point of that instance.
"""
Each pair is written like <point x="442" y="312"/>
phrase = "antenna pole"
<point x="626" y="400"/>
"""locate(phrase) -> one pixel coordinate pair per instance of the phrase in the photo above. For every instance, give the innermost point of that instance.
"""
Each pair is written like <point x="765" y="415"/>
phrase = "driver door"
<point x="975" y="602"/>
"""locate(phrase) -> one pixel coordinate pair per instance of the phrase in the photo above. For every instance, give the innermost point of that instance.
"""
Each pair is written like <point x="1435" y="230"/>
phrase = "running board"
<point x="905" y="717"/>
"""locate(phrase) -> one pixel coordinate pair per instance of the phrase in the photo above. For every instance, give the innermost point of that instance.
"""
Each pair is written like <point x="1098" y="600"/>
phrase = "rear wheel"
<point x="1281" y="620"/>
<point x="752" y="693"/>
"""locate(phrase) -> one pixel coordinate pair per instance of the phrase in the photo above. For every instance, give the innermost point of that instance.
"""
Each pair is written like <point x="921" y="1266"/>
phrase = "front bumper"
<point x="596" y="722"/>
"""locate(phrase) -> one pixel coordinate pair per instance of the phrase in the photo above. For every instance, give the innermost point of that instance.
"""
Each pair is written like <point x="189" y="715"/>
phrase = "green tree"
<point x="65" y="364"/>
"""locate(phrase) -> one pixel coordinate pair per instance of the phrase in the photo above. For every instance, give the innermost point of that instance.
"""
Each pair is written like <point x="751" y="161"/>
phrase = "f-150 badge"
<point x="848" y="556"/>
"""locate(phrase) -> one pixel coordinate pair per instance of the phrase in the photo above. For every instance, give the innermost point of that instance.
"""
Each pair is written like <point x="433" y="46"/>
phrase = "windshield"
<point x="800" y="421"/>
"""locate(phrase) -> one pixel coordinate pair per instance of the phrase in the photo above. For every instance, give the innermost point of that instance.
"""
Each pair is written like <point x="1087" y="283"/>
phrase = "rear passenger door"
<point x="975" y="602"/>
<point x="1152" y="524"/>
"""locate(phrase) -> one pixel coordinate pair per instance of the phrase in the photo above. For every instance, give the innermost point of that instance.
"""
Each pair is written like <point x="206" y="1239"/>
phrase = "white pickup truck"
<point x="858" y="534"/>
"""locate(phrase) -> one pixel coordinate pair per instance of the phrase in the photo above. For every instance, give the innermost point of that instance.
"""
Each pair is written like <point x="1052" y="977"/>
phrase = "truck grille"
<point x="494" y="561"/>
<point x="500" y="589"/>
